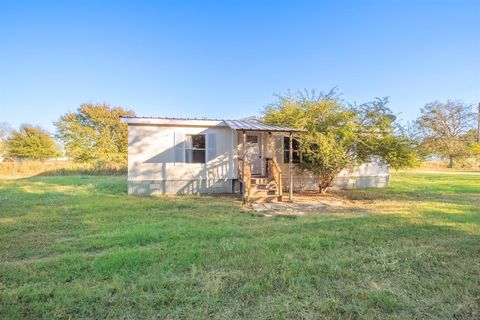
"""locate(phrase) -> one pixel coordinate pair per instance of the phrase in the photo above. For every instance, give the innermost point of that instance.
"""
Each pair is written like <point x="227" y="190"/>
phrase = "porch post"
<point x="290" y="168"/>
<point x="268" y="153"/>
<point x="244" y="187"/>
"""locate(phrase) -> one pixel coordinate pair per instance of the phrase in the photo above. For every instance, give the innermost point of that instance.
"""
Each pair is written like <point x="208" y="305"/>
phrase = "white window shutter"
<point x="211" y="146"/>
<point x="279" y="148"/>
<point x="179" y="146"/>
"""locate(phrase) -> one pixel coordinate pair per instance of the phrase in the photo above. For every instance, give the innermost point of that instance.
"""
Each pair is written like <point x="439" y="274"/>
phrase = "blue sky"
<point x="227" y="59"/>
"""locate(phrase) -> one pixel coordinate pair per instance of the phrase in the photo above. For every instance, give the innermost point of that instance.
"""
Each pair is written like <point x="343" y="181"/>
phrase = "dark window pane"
<point x="286" y="157"/>
<point x="286" y="143"/>
<point x="295" y="144"/>
<point x="296" y="157"/>
<point x="198" y="156"/>
<point x="198" y="141"/>
<point x="252" y="139"/>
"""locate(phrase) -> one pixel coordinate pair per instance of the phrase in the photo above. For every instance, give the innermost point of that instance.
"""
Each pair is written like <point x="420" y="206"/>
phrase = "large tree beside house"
<point x="339" y="136"/>
<point x="94" y="133"/>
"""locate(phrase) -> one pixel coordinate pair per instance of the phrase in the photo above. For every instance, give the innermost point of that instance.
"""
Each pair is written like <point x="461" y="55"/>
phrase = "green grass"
<point x="79" y="247"/>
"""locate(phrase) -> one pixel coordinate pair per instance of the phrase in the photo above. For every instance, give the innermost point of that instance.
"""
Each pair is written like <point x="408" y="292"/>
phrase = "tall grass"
<point x="67" y="168"/>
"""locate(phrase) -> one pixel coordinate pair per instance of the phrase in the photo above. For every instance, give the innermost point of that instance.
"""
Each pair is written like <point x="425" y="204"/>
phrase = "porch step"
<point x="265" y="186"/>
<point x="260" y="192"/>
<point x="263" y="199"/>
<point x="263" y="189"/>
<point x="260" y="180"/>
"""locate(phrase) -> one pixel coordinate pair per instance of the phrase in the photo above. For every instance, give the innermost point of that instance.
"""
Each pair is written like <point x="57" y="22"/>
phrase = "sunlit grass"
<point x="79" y="247"/>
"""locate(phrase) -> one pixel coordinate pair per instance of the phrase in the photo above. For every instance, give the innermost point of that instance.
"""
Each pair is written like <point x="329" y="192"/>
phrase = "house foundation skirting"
<point x="147" y="187"/>
<point x="204" y="186"/>
<point x="305" y="183"/>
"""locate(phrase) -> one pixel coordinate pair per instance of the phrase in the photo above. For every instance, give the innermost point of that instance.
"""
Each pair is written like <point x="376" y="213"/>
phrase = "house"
<point x="191" y="156"/>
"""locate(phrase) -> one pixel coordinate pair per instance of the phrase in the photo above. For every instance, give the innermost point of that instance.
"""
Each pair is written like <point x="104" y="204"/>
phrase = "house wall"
<point x="367" y="175"/>
<point x="373" y="174"/>
<point x="153" y="169"/>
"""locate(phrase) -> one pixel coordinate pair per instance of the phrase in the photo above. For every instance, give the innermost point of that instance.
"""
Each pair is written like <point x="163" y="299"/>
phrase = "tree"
<point x="338" y="135"/>
<point x="444" y="129"/>
<point x="31" y="142"/>
<point x="95" y="133"/>
<point x="5" y="131"/>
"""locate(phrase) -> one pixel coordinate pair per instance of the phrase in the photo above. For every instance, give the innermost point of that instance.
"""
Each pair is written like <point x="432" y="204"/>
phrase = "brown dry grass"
<point x="23" y="169"/>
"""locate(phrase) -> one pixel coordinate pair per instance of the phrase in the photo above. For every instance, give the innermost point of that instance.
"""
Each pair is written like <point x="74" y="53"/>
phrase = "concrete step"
<point x="263" y="192"/>
<point x="263" y="199"/>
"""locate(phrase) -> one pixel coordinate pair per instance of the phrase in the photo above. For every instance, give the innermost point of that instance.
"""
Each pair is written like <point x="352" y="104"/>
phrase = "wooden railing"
<point x="273" y="169"/>
<point x="246" y="180"/>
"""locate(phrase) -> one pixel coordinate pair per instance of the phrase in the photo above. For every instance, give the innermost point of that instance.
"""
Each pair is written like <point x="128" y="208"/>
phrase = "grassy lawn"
<point x="79" y="247"/>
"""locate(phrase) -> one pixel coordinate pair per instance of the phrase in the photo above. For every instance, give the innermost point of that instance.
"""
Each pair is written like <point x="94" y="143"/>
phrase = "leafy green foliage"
<point x="340" y="136"/>
<point x="31" y="142"/>
<point x="95" y="134"/>
<point x="446" y="129"/>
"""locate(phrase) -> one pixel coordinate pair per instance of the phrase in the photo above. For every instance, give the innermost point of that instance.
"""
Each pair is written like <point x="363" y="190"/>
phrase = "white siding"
<point x="151" y="156"/>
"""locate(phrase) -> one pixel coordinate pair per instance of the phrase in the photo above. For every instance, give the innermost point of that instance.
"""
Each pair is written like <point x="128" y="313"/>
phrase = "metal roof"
<point x="255" y="125"/>
<point x="170" y="118"/>
<point x="248" y="124"/>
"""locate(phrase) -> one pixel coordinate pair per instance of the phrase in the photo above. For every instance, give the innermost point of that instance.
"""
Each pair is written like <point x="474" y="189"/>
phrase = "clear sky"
<point x="227" y="59"/>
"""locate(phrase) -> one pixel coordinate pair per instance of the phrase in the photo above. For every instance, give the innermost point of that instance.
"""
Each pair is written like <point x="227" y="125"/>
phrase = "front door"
<point x="254" y="152"/>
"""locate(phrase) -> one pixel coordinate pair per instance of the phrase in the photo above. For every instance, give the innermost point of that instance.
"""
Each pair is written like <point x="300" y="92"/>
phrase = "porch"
<point x="258" y="168"/>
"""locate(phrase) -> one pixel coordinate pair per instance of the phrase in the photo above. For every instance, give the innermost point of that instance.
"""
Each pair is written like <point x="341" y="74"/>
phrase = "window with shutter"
<point x="195" y="148"/>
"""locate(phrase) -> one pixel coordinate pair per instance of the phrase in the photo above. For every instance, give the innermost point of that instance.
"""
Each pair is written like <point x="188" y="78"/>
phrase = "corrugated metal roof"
<point x="254" y="125"/>
<point x="248" y="124"/>
<point x="170" y="118"/>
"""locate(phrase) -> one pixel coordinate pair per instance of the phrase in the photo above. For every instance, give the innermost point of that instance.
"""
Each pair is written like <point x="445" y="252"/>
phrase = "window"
<point x="195" y="148"/>
<point x="252" y="139"/>
<point x="286" y="150"/>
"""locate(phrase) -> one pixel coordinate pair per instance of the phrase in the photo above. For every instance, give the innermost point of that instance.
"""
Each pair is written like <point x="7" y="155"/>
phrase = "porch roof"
<point x="255" y="125"/>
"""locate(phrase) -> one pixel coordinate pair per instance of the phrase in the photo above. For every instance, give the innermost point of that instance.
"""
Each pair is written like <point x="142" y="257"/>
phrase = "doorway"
<point x="254" y="152"/>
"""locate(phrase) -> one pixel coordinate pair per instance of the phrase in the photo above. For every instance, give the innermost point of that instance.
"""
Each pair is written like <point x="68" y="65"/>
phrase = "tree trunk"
<point x="326" y="182"/>
<point x="450" y="164"/>
<point x="323" y="186"/>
